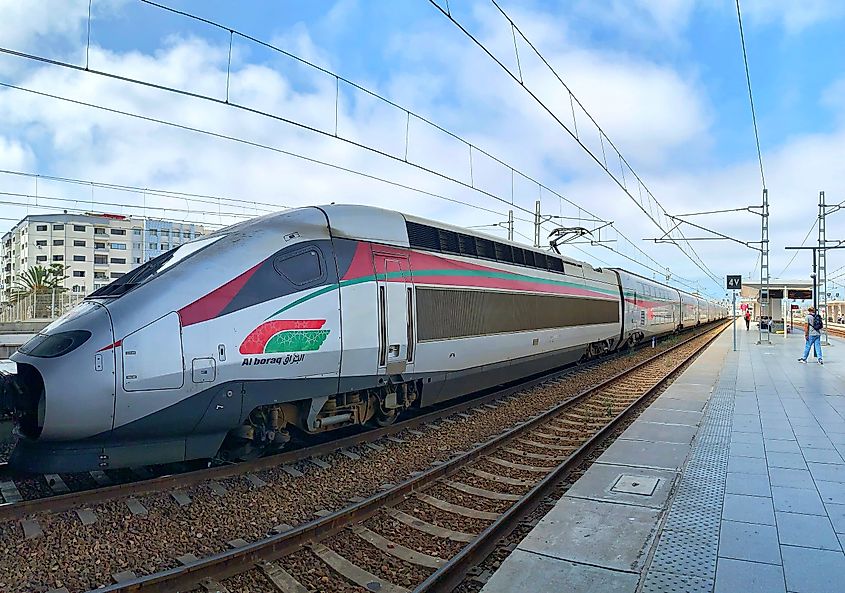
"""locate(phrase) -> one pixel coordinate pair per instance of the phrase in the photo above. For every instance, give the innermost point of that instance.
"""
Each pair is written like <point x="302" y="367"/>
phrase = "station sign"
<point x="734" y="282"/>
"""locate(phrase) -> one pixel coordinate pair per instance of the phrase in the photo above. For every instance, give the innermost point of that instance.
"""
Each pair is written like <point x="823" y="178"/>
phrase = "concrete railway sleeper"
<point x="426" y="532"/>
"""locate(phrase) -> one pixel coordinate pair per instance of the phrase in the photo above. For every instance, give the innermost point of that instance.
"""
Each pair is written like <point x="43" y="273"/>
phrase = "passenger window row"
<point x="422" y="236"/>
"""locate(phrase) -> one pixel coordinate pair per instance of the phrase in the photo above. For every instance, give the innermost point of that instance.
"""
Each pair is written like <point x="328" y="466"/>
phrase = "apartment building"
<point x="94" y="248"/>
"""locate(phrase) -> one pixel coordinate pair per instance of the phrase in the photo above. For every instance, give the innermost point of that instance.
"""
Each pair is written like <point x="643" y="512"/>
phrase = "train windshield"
<point x="152" y="268"/>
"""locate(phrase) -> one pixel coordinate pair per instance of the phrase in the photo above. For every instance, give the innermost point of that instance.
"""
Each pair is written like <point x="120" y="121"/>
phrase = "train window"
<point x="449" y="241"/>
<point x="423" y="236"/>
<point x="485" y="248"/>
<point x="518" y="256"/>
<point x="504" y="253"/>
<point x="301" y="268"/>
<point x="555" y="263"/>
<point x="467" y="244"/>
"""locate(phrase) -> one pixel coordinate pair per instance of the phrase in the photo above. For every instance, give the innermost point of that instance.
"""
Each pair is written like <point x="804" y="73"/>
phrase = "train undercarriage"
<point x="268" y="428"/>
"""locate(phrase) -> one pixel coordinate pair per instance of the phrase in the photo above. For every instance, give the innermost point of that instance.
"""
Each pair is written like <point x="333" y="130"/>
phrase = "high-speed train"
<point x="314" y="318"/>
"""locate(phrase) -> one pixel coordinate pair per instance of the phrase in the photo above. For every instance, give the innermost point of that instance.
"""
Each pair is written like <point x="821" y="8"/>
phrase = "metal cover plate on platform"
<point x="602" y="482"/>
<point x="535" y="572"/>
<point x="603" y="534"/>
<point x="643" y="485"/>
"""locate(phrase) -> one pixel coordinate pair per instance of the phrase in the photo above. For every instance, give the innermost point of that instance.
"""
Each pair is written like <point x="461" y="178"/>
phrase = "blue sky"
<point x="664" y="79"/>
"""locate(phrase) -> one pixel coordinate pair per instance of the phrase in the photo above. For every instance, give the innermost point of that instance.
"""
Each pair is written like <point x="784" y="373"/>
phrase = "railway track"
<point x="426" y="532"/>
<point x="25" y="495"/>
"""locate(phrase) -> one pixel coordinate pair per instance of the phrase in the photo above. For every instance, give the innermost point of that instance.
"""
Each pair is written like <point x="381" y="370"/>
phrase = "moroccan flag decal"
<point x="285" y="335"/>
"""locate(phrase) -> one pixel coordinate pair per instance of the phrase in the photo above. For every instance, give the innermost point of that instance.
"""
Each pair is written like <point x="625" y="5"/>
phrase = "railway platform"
<point x="732" y="481"/>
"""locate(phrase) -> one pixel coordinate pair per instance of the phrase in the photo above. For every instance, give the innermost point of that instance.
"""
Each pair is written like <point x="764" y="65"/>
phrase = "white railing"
<point x="44" y="306"/>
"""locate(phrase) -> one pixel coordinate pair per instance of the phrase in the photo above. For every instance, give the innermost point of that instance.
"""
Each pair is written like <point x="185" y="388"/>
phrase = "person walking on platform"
<point x="812" y="335"/>
<point x="747" y="320"/>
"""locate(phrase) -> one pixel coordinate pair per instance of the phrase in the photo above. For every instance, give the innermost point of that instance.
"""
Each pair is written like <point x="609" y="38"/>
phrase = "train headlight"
<point x="53" y="345"/>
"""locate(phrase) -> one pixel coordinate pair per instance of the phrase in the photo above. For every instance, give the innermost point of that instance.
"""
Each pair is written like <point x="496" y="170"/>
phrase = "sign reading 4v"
<point x="734" y="282"/>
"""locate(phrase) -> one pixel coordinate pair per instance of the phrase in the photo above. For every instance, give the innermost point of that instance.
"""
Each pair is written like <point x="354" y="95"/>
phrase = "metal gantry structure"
<point x="763" y="249"/>
<point x="765" y="301"/>
<point x="821" y="277"/>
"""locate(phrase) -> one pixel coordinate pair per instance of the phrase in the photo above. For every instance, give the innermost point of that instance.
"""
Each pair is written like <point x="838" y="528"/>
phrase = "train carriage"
<point x="652" y="309"/>
<point x="310" y="319"/>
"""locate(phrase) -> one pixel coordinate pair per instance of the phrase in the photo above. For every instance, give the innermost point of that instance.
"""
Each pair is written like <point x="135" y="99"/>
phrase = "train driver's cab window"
<point x="301" y="268"/>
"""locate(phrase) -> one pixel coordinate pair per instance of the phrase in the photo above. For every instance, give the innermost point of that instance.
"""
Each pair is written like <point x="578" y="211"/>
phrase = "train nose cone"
<point x="67" y="375"/>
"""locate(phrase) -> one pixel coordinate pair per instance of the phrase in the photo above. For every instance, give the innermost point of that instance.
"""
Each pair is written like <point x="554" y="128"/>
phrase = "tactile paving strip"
<point x="667" y="582"/>
<point x="685" y="558"/>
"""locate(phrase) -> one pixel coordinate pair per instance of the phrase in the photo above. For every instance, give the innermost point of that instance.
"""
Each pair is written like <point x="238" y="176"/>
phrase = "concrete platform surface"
<point x="733" y="481"/>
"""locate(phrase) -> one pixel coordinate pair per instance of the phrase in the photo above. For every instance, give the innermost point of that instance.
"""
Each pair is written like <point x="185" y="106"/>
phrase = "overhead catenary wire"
<point x="117" y="205"/>
<point x="252" y="143"/>
<point x="66" y="209"/>
<point x="472" y="147"/>
<point x="267" y="114"/>
<point x="203" y="198"/>
<point x="750" y="94"/>
<point x="386" y="100"/>
<point x="794" y="255"/>
<point x="340" y="78"/>
<point x="690" y="252"/>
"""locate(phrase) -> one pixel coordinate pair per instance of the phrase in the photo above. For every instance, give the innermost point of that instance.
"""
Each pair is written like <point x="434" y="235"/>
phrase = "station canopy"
<point x="795" y="290"/>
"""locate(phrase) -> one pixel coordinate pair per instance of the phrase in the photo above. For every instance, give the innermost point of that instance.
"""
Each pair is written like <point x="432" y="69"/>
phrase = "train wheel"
<point x="383" y="419"/>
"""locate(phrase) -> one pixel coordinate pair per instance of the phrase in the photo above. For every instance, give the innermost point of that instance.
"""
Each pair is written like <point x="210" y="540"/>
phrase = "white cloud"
<point x="659" y="117"/>
<point x="23" y="23"/>
<point x="794" y="17"/>
<point x="663" y="21"/>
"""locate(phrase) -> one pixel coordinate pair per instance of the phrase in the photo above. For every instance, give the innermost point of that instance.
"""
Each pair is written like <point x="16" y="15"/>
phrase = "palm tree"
<point x="38" y="280"/>
<point x="42" y="284"/>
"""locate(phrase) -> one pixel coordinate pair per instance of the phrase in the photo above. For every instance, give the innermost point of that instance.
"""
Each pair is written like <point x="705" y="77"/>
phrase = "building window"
<point x="165" y="246"/>
<point x="78" y="243"/>
<point x="41" y="243"/>
<point x="98" y="245"/>
<point x="116" y="274"/>
<point x="165" y="233"/>
<point x="58" y="227"/>
<point x="58" y="242"/>
<point x="100" y="275"/>
<point x="153" y="246"/>
<point x="40" y="258"/>
<point x="136" y="232"/>
<point x="78" y="258"/>
<point x="118" y="260"/>
<point x="79" y="228"/>
<point x="58" y="258"/>
<point x="79" y="274"/>
<point x="137" y="260"/>
<point x="99" y="231"/>
<point x="117" y="231"/>
<point x="136" y="246"/>
<point x="176" y="234"/>
<point x="77" y="288"/>
<point x="118" y="245"/>
<point x="41" y="227"/>
<point x="100" y="259"/>
<point x="154" y="232"/>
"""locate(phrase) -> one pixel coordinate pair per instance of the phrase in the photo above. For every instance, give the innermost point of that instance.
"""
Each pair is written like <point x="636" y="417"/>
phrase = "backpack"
<point x="817" y="322"/>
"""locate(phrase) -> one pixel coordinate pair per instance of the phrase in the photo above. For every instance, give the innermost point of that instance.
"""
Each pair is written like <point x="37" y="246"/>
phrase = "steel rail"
<point x="451" y="574"/>
<point x="232" y="562"/>
<point x="62" y="502"/>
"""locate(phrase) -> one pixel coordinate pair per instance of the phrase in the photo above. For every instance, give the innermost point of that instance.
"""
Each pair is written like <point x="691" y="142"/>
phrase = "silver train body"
<point x="311" y="319"/>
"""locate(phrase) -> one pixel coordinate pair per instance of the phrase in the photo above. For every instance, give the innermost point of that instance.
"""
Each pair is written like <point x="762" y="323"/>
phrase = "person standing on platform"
<point x="747" y="320"/>
<point x="812" y="335"/>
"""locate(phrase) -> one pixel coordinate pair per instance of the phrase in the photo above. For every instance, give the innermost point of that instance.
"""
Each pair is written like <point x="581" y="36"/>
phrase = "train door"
<point x="395" y="313"/>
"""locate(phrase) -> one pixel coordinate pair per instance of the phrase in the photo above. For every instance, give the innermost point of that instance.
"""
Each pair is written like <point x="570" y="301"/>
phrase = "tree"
<point x="41" y="285"/>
